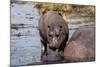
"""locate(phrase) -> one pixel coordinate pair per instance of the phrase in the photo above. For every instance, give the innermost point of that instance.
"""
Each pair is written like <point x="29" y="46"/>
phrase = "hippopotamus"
<point x="53" y="31"/>
<point x="81" y="46"/>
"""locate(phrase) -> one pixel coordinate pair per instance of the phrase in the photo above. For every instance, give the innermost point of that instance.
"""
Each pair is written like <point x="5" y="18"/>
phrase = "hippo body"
<point x="81" y="46"/>
<point x="53" y="31"/>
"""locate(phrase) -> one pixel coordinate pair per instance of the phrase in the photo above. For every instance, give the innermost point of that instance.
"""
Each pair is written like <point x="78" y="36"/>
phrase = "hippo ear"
<point x="42" y="11"/>
<point x="48" y="26"/>
<point x="59" y="13"/>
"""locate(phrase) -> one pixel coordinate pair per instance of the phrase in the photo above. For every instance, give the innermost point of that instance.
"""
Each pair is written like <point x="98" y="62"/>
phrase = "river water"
<point x="26" y="48"/>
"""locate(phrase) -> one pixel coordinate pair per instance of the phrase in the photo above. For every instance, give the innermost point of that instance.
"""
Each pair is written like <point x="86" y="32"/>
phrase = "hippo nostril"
<point x="50" y="35"/>
<point x="57" y="35"/>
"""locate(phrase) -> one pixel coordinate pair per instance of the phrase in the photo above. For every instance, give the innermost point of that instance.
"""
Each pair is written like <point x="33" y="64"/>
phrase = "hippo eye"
<point x="48" y="26"/>
<point x="60" y="26"/>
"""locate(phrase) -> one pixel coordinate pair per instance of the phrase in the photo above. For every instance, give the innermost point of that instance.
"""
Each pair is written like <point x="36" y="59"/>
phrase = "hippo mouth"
<point x="53" y="48"/>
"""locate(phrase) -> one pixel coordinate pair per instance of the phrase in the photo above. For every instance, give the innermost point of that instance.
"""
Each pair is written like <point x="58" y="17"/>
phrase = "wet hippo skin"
<point x="53" y="31"/>
<point x="81" y="46"/>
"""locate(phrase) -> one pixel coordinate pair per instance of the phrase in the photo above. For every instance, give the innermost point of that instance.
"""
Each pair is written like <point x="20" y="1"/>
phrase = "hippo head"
<point x="55" y="36"/>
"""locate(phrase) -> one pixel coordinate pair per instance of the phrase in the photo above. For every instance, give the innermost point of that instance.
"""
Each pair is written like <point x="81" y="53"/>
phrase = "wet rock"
<point x="28" y="14"/>
<point x="81" y="46"/>
<point x="29" y="17"/>
<point x="16" y="26"/>
<point x="19" y="34"/>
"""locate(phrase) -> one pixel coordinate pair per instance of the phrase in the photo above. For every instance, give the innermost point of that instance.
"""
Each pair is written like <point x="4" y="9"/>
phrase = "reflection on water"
<point x="25" y="40"/>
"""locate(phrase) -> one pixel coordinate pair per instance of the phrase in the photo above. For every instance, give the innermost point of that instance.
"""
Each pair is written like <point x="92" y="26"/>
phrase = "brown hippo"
<point x="81" y="46"/>
<point x="53" y="31"/>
